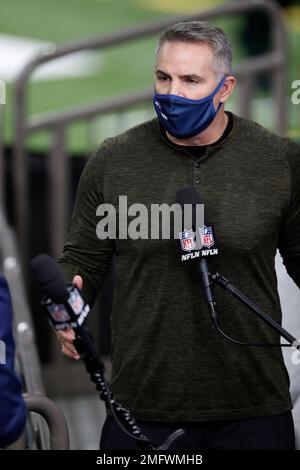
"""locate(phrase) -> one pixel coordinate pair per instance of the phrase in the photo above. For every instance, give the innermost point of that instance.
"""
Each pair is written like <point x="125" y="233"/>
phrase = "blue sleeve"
<point x="13" y="410"/>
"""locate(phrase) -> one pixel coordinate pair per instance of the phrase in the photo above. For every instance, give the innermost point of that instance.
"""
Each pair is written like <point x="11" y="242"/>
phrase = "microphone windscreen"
<point x="191" y="204"/>
<point x="188" y="196"/>
<point x="49" y="277"/>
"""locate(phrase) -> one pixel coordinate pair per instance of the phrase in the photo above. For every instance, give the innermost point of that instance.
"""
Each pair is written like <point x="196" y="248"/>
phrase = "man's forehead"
<point x="185" y="48"/>
<point x="190" y="55"/>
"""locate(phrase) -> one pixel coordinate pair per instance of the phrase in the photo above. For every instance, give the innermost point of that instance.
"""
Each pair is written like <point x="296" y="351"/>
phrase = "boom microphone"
<point x="197" y="240"/>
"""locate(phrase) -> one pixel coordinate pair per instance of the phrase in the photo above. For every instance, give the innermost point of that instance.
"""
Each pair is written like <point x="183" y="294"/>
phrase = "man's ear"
<point x="227" y="88"/>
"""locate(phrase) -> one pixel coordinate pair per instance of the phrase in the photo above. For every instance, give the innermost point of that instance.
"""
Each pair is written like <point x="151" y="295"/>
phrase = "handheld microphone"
<point x="197" y="241"/>
<point x="67" y="308"/>
<point x="64" y="304"/>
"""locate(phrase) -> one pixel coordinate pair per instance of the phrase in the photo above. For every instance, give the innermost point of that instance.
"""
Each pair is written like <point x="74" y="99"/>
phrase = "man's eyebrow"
<point x="162" y="72"/>
<point x="191" y="76"/>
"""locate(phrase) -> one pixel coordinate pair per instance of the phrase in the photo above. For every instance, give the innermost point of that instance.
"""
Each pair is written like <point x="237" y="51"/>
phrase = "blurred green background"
<point x="119" y="69"/>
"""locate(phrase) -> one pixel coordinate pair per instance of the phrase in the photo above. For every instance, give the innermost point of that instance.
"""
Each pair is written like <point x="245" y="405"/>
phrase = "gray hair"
<point x="205" y="33"/>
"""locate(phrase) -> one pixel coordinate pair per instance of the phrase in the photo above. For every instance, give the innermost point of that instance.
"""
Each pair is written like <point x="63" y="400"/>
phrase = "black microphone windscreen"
<point x="188" y="196"/>
<point x="191" y="204"/>
<point x="50" y="277"/>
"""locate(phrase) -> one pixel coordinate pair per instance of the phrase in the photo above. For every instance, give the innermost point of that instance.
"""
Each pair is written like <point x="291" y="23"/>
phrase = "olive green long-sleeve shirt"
<point x="169" y="362"/>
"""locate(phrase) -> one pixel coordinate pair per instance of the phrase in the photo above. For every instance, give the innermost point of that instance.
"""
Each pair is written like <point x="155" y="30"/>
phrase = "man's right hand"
<point x="66" y="337"/>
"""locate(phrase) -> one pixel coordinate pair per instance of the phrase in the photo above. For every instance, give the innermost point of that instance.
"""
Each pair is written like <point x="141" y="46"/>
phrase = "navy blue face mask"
<point x="183" y="117"/>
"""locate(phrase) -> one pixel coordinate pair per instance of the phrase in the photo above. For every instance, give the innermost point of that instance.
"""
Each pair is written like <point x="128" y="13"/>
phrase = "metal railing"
<point x="55" y="420"/>
<point x="27" y="355"/>
<point x="24" y="332"/>
<point x="57" y="122"/>
<point x="2" y="167"/>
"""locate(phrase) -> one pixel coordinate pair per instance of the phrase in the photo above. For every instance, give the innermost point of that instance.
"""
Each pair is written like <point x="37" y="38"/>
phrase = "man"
<point x="13" y="412"/>
<point x="170" y="366"/>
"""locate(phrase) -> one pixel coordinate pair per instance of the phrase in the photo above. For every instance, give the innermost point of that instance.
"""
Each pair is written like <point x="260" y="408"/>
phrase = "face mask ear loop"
<point x="218" y="88"/>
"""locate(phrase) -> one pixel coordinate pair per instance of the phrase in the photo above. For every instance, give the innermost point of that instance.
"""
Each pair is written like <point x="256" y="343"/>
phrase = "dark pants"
<point x="265" y="433"/>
